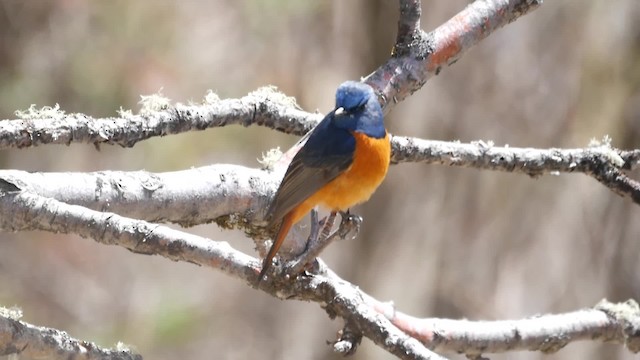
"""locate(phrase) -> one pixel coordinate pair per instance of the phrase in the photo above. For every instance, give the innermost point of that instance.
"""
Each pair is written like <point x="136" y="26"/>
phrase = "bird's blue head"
<point x="358" y="109"/>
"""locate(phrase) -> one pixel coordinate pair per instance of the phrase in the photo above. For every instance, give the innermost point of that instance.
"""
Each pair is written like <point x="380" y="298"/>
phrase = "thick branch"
<point x="347" y="301"/>
<point x="187" y="197"/>
<point x="30" y="211"/>
<point x="606" y="322"/>
<point x="236" y="196"/>
<point x="34" y="342"/>
<point x="338" y="297"/>
<point x="416" y="57"/>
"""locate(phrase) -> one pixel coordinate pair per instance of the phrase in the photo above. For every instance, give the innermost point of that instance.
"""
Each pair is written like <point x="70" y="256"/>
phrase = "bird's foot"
<point x="320" y="237"/>
<point x="349" y="224"/>
<point x="274" y="266"/>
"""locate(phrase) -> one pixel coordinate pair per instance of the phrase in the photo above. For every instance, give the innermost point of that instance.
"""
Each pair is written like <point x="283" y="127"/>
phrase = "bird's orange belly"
<point x="361" y="179"/>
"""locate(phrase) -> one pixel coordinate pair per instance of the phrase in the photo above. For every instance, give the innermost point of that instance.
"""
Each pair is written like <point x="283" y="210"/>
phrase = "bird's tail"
<point x="285" y="226"/>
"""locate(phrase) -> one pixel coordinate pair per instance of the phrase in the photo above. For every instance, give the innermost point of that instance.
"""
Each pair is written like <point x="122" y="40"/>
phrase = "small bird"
<point x="343" y="162"/>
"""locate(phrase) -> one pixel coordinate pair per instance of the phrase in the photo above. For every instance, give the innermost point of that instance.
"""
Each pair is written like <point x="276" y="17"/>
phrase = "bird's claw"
<point x="318" y="239"/>
<point x="301" y="266"/>
<point x="350" y="223"/>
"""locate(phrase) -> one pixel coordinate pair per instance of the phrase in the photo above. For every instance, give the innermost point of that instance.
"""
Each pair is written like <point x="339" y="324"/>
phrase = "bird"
<point x="344" y="160"/>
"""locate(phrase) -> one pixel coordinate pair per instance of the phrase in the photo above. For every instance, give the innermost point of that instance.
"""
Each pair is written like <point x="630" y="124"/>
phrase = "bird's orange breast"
<point x="356" y="185"/>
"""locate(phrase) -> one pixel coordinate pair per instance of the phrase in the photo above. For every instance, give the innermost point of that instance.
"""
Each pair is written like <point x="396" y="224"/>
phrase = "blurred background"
<point x="438" y="241"/>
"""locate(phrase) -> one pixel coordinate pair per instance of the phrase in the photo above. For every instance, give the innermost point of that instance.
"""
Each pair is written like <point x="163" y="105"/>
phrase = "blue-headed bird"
<point x="343" y="162"/>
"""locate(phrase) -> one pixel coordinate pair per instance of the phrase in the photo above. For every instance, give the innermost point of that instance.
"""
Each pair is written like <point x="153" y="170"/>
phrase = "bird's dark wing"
<point x="327" y="153"/>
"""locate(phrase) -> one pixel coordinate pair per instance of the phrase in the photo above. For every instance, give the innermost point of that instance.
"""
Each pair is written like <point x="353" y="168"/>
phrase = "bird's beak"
<point x="339" y="111"/>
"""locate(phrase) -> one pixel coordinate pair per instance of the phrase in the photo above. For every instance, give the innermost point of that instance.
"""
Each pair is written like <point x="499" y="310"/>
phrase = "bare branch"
<point x="347" y="301"/>
<point x="606" y="322"/>
<point x="600" y="161"/>
<point x="417" y="56"/>
<point x="31" y="211"/>
<point x="530" y="161"/>
<point x="335" y="295"/>
<point x="236" y="196"/>
<point x="617" y="182"/>
<point x="242" y="193"/>
<point x="265" y="107"/>
<point x="409" y="22"/>
<point x="35" y="342"/>
<point x="348" y="341"/>
<point x="224" y="193"/>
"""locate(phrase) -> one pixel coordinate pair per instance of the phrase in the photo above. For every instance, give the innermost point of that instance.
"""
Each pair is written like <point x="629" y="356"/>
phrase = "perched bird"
<point x="344" y="160"/>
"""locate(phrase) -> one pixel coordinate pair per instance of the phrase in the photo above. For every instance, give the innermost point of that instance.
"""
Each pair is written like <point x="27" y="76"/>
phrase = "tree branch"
<point x="606" y="322"/>
<point x="227" y="194"/>
<point x="531" y="161"/>
<point x="416" y="57"/>
<point x="31" y="211"/>
<point x="232" y="191"/>
<point x="599" y="161"/>
<point x="236" y="196"/>
<point x="617" y="182"/>
<point x="158" y="117"/>
<point x="35" y="342"/>
<point x="339" y="298"/>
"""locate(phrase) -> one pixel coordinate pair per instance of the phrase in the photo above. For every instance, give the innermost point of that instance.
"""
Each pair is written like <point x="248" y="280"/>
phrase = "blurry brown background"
<point x="438" y="241"/>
